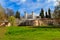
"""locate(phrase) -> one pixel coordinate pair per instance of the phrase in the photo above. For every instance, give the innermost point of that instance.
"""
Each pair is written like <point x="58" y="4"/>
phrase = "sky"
<point x="29" y="5"/>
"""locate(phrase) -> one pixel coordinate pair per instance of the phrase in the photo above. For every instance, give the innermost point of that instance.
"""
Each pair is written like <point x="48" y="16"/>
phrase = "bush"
<point x="12" y="20"/>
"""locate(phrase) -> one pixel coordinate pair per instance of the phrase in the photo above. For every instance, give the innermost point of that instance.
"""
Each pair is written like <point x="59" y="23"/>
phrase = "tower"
<point x="25" y="15"/>
<point x="32" y="15"/>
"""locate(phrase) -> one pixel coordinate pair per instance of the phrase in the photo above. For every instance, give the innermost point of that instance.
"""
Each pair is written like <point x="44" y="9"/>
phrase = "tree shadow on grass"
<point x="46" y="26"/>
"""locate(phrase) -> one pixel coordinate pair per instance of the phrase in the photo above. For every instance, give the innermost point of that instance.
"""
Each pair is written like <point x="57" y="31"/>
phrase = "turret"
<point x="32" y="15"/>
<point x="25" y="15"/>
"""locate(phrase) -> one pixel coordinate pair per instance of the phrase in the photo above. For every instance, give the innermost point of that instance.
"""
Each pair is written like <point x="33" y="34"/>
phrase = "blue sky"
<point x="28" y="5"/>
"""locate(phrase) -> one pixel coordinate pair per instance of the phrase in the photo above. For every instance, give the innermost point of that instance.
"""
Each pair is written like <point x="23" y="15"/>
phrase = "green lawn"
<point x="27" y="33"/>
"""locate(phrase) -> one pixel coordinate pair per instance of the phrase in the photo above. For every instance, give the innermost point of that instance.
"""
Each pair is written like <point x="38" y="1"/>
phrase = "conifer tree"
<point x="17" y="15"/>
<point x="49" y="13"/>
<point x="46" y="15"/>
<point x="42" y="13"/>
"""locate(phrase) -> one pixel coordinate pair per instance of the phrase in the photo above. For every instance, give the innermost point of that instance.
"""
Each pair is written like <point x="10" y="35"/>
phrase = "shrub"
<point x="12" y="20"/>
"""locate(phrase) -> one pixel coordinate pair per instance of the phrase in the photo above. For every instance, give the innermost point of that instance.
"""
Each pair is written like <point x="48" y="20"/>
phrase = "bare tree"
<point x="57" y="11"/>
<point x="2" y="13"/>
<point x="10" y="12"/>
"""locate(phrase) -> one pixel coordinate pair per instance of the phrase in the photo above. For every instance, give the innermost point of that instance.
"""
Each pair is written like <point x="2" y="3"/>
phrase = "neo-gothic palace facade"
<point x="32" y="20"/>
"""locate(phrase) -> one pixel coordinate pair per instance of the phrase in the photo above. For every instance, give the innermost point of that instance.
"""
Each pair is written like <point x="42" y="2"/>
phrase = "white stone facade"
<point x="29" y="16"/>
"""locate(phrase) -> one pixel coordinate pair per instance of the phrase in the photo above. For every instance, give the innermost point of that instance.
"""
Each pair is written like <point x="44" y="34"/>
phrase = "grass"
<point x="27" y="33"/>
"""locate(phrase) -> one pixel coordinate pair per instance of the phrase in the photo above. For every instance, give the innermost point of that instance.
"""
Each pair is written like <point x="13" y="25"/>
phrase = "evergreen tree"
<point x="42" y="13"/>
<point x="49" y="13"/>
<point x="46" y="15"/>
<point x="17" y="15"/>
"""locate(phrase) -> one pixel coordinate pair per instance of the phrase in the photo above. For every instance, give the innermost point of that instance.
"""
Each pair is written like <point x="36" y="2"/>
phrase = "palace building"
<point x="29" y="16"/>
<point x="32" y="20"/>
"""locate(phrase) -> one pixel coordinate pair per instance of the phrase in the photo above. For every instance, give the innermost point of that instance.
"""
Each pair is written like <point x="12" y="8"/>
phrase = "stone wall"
<point x="47" y="21"/>
<point x="41" y="22"/>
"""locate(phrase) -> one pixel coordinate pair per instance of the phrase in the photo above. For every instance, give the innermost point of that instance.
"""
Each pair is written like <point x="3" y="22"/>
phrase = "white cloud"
<point x="34" y="6"/>
<point x="38" y="0"/>
<point x="14" y="0"/>
<point x="36" y="14"/>
<point x="17" y="0"/>
<point x="51" y="0"/>
<point x="2" y="2"/>
<point x="23" y="0"/>
<point x="31" y="6"/>
<point x="55" y="2"/>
